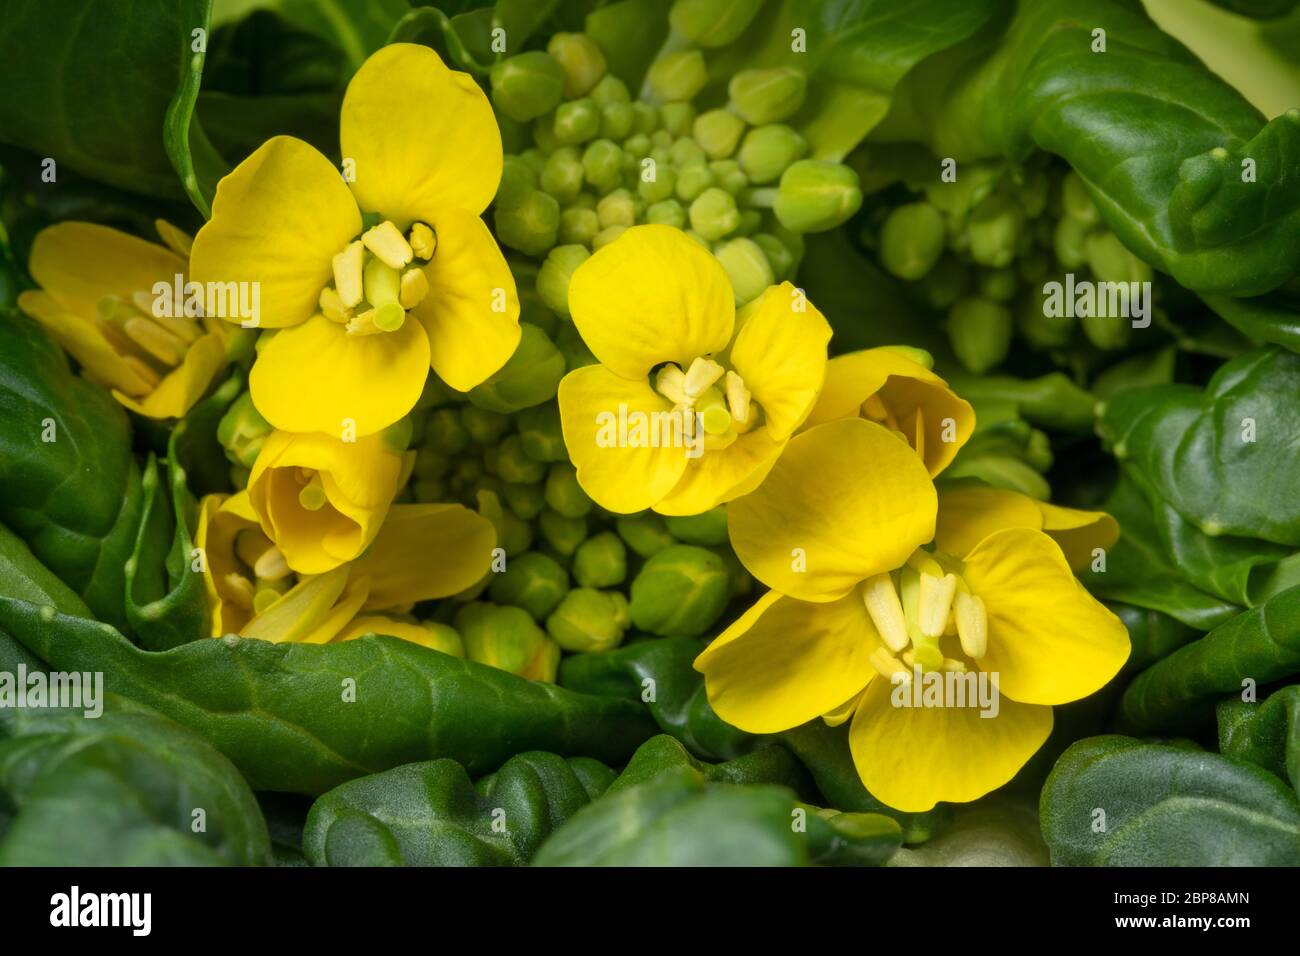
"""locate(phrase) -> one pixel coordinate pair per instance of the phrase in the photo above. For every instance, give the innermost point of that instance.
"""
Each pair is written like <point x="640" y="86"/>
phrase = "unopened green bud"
<point x="1039" y="329"/>
<point x="765" y="96"/>
<point x="616" y="120"/>
<point x="768" y="151"/>
<point x="431" y="463"/>
<point x="747" y="267"/>
<point x="529" y="225"/>
<point x="242" y="431"/>
<point x="578" y="226"/>
<point x="714" y="213"/>
<point x="544" y="134"/>
<point x="919" y="356"/>
<point x="680" y="591"/>
<point x="540" y="435"/>
<point x="644" y="533"/>
<point x="610" y="90"/>
<point x="1110" y="261"/>
<point x="1070" y="242"/>
<point x="428" y="490"/>
<point x="562" y="174"/>
<point x="816" y="195"/>
<point x="535" y="159"/>
<point x="561" y="533"/>
<point x="517" y="180"/>
<point x="778" y="256"/>
<point x="532" y="581"/>
<point x="602" y="164"/>
<point x="678" y="76"/>
<point x="527" y="501"/>
<point x="645" y="118"/>
<point x="530" y="376"/>
<point x="718" y="132"/>
<point x="600" y="561"/>
<point x="980" y="333"/>
<point x="1031" y="192"/>
<point x="483" y="425"/>
<point x="912" y="240"/>
<point x="616" y="209"/>
<point x="507" y="638"/>
<point x="1076" y="202"/>
<point x="686" y="152"/>
<point x="514" y="465"/>
<point x="692" y="181"/>
<point x="569" y="341"/>
<point x="581" y="59"/>
<point x="706" y="529"/>
<point x="993" y="230"/>
<point x="677" y="118"/>
<point x="526" y="86"/>
<point x="668" y="213"/>
<point x="563" y="493"/>
<point x="712" y="23"/>
<point x="660" y="187"/>
<point x="444" y="432"/>
<point x="443" y="637"/>
<point x="638" y="145"/>
<point x="576" y="121"/>
<point x="606" y="236"/>
<point x="588" y="620"/>
<point x="1000" y="285"/>
<point x="728" y="176"/>
<point x="514" y="534"/>
<point x="751" y="220"/>
<point x="556" y="273"/>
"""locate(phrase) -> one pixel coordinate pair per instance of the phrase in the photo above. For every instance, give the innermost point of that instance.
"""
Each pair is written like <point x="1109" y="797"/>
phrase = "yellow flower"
<point x="98" y="300"/>
<point x="885" y="386"/>
<point x="364" y="306"/>
<point x="422" y="552"/>
<point x="863" y="623"/>
<point x="691" y="403"/>
<point x="322" y="500"/>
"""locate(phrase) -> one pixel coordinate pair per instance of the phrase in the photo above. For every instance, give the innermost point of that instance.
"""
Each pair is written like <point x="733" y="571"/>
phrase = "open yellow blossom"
<point x="885" y="386"/>
<point x="862" y="618"/>
<point x="322" y="500"/>
<point x="109" y="299"/>
<point x="374" y="274"/>
<point x="691" y="402"/>
<point x="422" y="552"/>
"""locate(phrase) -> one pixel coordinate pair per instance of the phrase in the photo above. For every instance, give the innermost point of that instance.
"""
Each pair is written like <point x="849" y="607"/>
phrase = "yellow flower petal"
<point x="215" y="537"/>
<point x="841" y="714"/>
<point x="653" y="295"/>
<point x="83" y="340"/>
<point x="78" y="263"/>
<point x="278" y="220"/>
<point x="380" y="624"/>
<point x="313" y="611"/>
<point x="780" y="352"/>
<point x="426" y="551"/>
<point x="359" y="481"/>
<point x="616" y="475"/>
<point x="845" y="500"/>
<point x="722" y="474"/>
<point x="471" y="312"/>
<point x="970" y="511"/>
<point x="905" y="388"/>
<point x="785" y="662"/>
<point x="1078" y="532"/>
<point x="174" y="238"/>
<point x="423" y="137"/>
<point x="316" y="377"/>
<point x="1049" y="640"/>
<point x="913" y="757"/>
<point x="184" y="385"/>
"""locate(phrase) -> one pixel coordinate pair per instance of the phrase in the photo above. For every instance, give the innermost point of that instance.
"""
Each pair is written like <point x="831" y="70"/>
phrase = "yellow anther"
<point x="737" y="397"/>
<point x="250" y="545"/>
<point x="388" y="245"/>
<point x="701" y="375"/>
<point x="670" y="382"/>
<point x="155" y="340"/>
<point x="923" y="562"/>
<point x="348" y="267"/>
<point x="936" y="602"/>
<point x="875" y="409"/>
<point x="972" y="624"/>
<point x="423" y="241"/>
<point x="240" y="590"/>
<point x="271" y="566"/>
<point x="886" y="611"/>
<point x="264" y="598"/>
<point x="312" y="495"/>
<point x="918" y="444"/>
<point x="143" y="369"/>
<point x="952" y="664"/>
<point x="887" y="665"/>
<point x="332" y="307"/>
<point x="414" y="287"/>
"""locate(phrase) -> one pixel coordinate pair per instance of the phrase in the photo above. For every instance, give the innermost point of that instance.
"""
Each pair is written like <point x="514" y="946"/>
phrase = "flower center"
<point x="152" y="344"/>
<point x="262" y="575"/>
<point x="718" y="395"/>
<point x="377" y="278"/>
<point x="919" y="604"/>
<point x="876" y="409"/>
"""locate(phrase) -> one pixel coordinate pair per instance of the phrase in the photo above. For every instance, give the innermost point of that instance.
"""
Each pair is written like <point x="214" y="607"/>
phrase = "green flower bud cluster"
<point x="241" y="432"/>
<point x="1005" y="451"/>
<point x="726" y="165"/>
<point x="980" y="250"/>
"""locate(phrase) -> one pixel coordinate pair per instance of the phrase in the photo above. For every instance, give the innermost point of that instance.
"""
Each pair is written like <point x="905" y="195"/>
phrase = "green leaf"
<point x="664" y="754"/>
<point x="1238" y="434"/>
<point x="1114" y="801"/>
<point x="1265" y="318"/>
<point x="75" y="500"/>
<point x="1266" y="733"/>
<point x="303" y="717"/>
<point x="430" y="814"/>
<point x="23" y="577"/>
<point x="1051" y="400"/>
<point x="89" y="82"/>
<point x="993" y="831"/>
<point x="659" y="672"/>
<point x="355" y="28"/>
<point x="191" y="153"/>
<point x="1179" y="692"/>
<point x="128" y="784"/>
<point x="1153" y="635"/>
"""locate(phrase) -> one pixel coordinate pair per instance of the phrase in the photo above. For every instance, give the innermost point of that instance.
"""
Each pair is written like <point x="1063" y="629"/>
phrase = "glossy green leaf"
<point x="355" y="28"/>
<point x="303" y="717"/>
<point x="664" y="754"/>
<point x="1153" y="635"/>
<point x="1266" y="733"/>
<point x="430" y="814"/>
<point x="993" y="831"/>
<point x="127" y="788"/>
<point x="1114" y="801"/>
